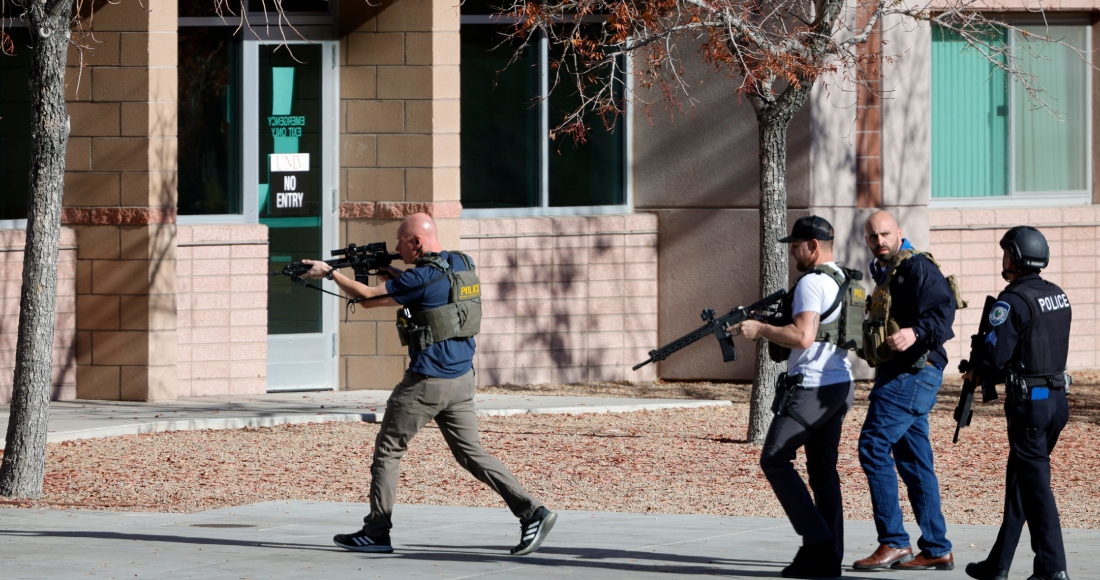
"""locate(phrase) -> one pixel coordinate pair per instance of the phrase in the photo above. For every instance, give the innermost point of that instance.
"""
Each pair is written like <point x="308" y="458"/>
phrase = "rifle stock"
<point x="716" y="326"/>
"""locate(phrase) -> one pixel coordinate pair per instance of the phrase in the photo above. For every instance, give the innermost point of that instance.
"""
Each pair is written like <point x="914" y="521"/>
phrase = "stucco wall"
<point x="565" y="299"/>
<point x="221" y="272"/>
<point x="698" y="172"/>
<point x="63" y="381"/>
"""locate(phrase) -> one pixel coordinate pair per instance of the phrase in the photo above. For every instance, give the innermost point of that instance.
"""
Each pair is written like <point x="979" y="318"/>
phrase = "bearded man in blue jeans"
<point x="913" y="307"/>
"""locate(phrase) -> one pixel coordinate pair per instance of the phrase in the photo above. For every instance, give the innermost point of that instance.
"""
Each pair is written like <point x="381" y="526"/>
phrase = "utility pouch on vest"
<point x="847" y="330"/>
<point x="459" y="318"/>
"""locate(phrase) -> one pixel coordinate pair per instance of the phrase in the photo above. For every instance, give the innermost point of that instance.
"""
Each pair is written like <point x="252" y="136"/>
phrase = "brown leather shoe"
<point x="925" y="561"/>
<point x="883" y="557"/>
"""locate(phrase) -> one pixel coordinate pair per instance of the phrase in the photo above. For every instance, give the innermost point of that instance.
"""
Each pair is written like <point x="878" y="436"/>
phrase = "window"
<point x="990" y="142"/>
<point x="208" y="121"/>
<point x="15" y="129"/>
<point x="509" y="164"/>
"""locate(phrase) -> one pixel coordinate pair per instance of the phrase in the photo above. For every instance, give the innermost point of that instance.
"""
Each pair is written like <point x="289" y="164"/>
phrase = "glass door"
<point x="292" y="161"/>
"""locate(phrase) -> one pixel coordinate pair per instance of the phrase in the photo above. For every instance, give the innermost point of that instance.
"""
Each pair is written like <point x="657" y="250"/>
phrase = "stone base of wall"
<point x="222" y="309"/>
<point x="64" y="340"/>
<point x="966" y="243"/>
<point x="565" y="299"/>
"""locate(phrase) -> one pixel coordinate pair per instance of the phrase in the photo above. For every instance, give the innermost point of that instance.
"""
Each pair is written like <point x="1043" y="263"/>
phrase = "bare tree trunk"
<point x="23" y="468"/>
<point x="773" y="117"/>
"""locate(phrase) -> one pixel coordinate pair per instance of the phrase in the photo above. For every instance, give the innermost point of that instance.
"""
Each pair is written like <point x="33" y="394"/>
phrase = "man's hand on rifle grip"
<point x="750" y="329"/>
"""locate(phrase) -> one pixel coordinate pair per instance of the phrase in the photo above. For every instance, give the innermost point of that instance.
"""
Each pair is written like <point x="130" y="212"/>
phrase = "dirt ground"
<point x="674" y="461"/>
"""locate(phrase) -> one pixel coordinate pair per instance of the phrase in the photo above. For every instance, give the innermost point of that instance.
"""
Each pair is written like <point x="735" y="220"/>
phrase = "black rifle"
<point x="365" y="260"/>
<point x="718" y="327"/>
<point x="964" y="410"/>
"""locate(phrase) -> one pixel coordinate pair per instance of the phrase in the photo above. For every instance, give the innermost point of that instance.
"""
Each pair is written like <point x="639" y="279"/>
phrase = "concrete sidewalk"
<point x="90" y="419"/>
<point x="294" y="540"/>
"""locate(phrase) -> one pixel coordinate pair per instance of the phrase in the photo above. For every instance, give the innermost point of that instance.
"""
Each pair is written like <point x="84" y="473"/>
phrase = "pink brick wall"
<point x="565" y="299"/>
<point x="965" y="242"/>
<point x="222" y="309"/>
<point x="64" y="340"/>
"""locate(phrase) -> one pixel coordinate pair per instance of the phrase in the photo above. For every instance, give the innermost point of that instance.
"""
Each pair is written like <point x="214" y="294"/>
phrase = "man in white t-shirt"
<point x="815" y="413"/>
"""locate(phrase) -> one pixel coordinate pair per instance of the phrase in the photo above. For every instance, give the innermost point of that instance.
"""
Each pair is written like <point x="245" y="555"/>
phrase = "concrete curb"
<point x="218" y="423"/>
<point x="299" y="419"/>
<point x="600" y="409"/>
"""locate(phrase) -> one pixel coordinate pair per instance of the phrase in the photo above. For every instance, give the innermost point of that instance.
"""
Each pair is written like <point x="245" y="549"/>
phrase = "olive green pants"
<point x="416" y="400"/>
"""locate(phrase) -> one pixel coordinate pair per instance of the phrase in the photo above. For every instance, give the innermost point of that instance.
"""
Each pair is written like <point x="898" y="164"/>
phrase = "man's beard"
<point x="890" y="253"/>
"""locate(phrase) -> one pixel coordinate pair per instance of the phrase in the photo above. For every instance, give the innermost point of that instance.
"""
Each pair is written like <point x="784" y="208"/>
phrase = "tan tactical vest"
<point x="459" y="318"/>
<point x="878" y="326"/>
<point x="846" y="330"/>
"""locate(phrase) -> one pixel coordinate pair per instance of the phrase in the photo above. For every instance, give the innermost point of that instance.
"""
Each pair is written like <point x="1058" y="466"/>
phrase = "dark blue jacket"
<point x="921" y="300"/>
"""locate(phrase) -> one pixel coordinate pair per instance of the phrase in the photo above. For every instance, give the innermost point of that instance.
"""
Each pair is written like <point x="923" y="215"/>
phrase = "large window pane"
<point x="209" y="129"/>
<point x="15" y="128"/>
<point x="1051" y="146"/>
<point x="969" y="120"/>
<point x="500" y="128"/>
<point x="588" y="173"/>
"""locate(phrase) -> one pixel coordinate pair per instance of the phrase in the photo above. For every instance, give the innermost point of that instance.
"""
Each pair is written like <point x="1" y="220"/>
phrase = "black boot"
<point x="818" y="560"/>
<point x="1063" y="575"/>
<point x="985" y="571"/>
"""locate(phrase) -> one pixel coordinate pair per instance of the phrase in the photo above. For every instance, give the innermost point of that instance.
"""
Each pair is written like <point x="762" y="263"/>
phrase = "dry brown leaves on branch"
<point x="676" y="461"/>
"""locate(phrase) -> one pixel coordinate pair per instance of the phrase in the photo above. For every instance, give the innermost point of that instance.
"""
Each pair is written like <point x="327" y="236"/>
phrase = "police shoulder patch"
<point x="999" y="314"/>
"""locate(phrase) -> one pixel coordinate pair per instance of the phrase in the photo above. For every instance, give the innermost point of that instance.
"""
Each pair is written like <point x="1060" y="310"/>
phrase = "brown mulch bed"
<point x="675" y="461"/>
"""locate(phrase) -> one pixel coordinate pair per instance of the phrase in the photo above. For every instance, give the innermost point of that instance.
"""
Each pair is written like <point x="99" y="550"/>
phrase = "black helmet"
<point x="1026" y="247"/>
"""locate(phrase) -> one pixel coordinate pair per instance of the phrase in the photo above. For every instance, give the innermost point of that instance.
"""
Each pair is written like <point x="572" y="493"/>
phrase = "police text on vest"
<point x="1051" y="303"/>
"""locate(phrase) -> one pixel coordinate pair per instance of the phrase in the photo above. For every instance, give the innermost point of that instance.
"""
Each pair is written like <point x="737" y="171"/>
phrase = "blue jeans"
<point x="896" y="432"/>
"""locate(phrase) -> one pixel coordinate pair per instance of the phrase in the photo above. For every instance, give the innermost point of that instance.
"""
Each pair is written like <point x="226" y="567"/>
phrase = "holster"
<point x="785" y="387"/>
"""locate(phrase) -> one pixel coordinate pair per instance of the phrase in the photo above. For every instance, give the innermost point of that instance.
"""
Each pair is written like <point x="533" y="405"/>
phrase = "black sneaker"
<point x="534" y="531"/>
<point x="361" y="541"/>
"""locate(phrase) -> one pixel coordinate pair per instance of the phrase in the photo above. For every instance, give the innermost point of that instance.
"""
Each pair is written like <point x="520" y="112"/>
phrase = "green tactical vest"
<point x="878" y="325"/>
<point x="846" y="331"/>
<point x="459" y="318"/>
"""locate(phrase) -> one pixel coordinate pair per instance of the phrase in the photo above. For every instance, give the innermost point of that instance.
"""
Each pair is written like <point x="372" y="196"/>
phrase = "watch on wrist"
<point x="331" y="271"/>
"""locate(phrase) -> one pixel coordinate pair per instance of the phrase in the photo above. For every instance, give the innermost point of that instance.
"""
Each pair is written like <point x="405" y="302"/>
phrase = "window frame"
<point x="314" y="27"/>
<point x="544" y="208"/>
<point x="1028" y="198"/>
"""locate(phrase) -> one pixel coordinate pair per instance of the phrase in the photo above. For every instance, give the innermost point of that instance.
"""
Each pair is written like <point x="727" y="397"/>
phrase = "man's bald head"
<point x="883" y="235"/>
<point x="417" y="235"/>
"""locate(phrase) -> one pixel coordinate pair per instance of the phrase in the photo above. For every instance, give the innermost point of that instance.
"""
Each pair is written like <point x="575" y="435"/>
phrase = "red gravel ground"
<point x="676" y="461"/>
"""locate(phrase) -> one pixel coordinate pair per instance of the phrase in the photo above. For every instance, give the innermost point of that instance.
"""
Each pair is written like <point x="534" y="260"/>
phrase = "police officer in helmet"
<point x="1027" y="350"/>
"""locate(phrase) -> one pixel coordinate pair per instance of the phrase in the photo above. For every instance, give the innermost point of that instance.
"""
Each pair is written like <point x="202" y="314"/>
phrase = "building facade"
<point x="205" y="153"/>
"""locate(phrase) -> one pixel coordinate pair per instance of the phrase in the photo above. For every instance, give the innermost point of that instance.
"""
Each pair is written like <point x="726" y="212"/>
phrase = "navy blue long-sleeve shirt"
<point x="921" y="300"/>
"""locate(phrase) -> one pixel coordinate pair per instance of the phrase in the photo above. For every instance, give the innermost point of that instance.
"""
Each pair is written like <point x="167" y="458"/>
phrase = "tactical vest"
<point x="879" y="325"/>
<point x="846" y="331"/>
<point x="1043" y="347"/>
<point x="459" y="318"/>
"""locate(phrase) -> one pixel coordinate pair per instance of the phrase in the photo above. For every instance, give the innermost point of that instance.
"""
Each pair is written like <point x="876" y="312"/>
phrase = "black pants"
<point x="1033" y="429"/>
<point x="821" y="517"/>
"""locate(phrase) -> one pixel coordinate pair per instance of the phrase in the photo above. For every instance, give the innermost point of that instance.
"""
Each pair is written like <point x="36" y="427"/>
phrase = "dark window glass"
<point x="15" y="128"/>
<point x="588" y="173"/>
<point x="209" y="122"/>
<point x="500" y="128"/>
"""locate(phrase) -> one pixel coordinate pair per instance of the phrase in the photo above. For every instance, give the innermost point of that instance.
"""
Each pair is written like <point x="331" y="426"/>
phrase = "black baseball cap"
<point x="809" y="228"/>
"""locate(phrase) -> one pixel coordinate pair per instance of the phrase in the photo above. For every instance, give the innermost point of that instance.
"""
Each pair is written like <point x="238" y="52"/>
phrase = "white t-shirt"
<point x="823" y="363"/>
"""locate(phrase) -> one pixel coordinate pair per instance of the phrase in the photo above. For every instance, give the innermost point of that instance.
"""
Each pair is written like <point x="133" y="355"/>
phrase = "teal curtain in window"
<point x="969" y="120"/>
<point x="1051" y="141"/>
